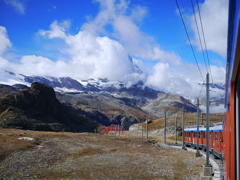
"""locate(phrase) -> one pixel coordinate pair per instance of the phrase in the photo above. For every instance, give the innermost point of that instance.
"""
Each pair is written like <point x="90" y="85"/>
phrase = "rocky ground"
<point x="58" y="155"/>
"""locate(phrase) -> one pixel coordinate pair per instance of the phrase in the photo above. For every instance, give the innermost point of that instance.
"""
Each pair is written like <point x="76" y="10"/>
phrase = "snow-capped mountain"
<point x="104" y="86"/>
<point x="67" y="84"/>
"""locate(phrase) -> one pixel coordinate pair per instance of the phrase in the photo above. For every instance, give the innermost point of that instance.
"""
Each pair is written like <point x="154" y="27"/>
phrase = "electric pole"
<point x="147" y="128"/>
<point x="208" y="166"/>
<point x="183" y="145"/>
<point x="165" y="127"/>
<point x="198" y="153"/>
<point x="175" y="130"/>
<point x="118" y="130"/>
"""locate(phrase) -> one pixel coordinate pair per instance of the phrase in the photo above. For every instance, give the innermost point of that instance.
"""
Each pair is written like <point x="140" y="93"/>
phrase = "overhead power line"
<point x="199" y="35"/>
<point x="200" y="91"/>
<point x="189" y="39"/>
<point x="204" y="40"/>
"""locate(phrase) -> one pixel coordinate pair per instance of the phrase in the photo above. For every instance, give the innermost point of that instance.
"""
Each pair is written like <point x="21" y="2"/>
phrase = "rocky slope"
<point x="37" y="108"/>
<point x="105" y="108"/>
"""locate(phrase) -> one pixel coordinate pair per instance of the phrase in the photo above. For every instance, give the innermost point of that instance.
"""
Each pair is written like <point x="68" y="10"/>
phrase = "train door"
<point x="212" y="136"/>
<point x="201" y="138"/>
<point x="204" y="139"/>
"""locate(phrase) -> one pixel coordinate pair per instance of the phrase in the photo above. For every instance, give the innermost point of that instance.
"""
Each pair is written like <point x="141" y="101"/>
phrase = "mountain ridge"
<point x="37" y="108"/>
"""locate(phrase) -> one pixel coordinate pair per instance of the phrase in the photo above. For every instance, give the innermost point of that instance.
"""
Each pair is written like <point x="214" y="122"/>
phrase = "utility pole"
<point x="147" y="128"/>
<point x="142" y="129"/>
<point x="198" y="153"/>
<point x="175" y="130"/>
<point x="165" y="127"/>
<point x="208" y="166"/>
<point x="118" y="130"/>
<point x="183" y="145"/>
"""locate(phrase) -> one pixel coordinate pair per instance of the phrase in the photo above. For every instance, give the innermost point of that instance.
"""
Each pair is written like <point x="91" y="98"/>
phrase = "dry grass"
<point x="56" y="155"/>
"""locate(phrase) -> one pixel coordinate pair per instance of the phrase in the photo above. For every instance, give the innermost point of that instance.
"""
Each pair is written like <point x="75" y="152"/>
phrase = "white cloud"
<point x="160" y="77"/>
<point x="218" y="74"/>
<point x="93" y="54"/>
<point x="4" y="41"/>
<point x="18" y="5"/>
<point x="127" y="31"/>
<point x="57" y="30"/>
<point x="183" y="79"/>
<point x="4" y="64"/>
<point x="214" y="15"/>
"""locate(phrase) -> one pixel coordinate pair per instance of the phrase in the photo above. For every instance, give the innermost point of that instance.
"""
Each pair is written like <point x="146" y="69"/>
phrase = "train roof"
<point x="216" y="128"/>
<point x="194" y="129"/>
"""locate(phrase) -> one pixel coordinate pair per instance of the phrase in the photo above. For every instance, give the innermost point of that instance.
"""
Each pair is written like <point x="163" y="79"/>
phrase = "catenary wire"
<point x="199" y="35"/>
<point x="204" y="39"/>
<point x="200" y="90"/>
<point x="189" y="39"/>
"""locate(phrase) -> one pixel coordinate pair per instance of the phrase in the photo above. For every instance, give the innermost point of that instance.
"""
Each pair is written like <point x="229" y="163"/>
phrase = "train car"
<point x="190" y="136"/>
<point x="216" y="138"/>
<point x="231" y="137"/>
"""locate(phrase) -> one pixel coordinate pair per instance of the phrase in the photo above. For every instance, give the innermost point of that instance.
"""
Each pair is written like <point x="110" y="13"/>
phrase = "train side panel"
<point x="229" y="138"/>
<point x="217" y="144"/>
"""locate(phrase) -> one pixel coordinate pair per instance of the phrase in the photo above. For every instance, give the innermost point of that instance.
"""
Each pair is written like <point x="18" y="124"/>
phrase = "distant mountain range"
<point x="67" y="84"/>
<point x="104" y="86"/>
<point x="109" y="101"/>
<point x="101" y="100"/>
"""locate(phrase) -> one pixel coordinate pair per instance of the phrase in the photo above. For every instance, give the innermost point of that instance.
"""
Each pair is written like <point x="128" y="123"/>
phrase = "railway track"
<point x="218" y="165"/>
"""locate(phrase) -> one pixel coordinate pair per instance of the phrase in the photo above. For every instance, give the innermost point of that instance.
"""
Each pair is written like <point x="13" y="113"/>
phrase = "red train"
<point x="231" y="137"/>
<point x="225" y="141"/>
<point x="216" y="138"/>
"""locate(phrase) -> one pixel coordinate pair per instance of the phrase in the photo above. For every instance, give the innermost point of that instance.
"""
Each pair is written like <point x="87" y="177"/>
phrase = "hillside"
<point x="105" y="109"/>
<point x="38" y="109"/>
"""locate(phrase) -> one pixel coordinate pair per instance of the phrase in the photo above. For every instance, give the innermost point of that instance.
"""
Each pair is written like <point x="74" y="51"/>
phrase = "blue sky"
<point x="93" y="38"/>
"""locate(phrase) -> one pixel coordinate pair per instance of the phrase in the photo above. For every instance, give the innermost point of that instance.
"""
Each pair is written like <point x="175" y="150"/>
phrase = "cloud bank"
<point x="96" y="52"/>
<point x="214" y="15"/>
<point x="125" y="24"/>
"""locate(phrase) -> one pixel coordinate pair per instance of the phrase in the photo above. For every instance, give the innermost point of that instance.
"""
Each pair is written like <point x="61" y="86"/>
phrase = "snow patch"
<point x="27" y="138"/>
